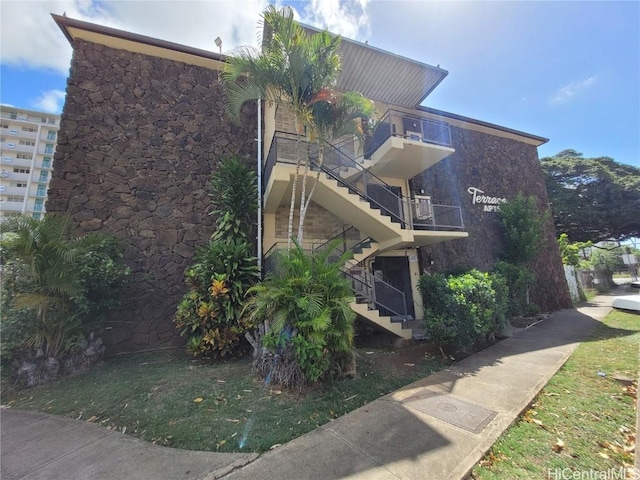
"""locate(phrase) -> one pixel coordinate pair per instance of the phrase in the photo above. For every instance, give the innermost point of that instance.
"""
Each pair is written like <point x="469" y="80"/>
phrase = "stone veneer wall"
<point x="501" y="168"/>
<point x="319" y="223"/>
<point x="139" y="139"/>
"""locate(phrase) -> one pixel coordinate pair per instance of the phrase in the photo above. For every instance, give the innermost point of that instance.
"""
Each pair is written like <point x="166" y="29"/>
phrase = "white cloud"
<point x="29" y="37"/>
<point x="50" y="101"/>
<point x="349" y="18"/>
<point x="573" y="90"/>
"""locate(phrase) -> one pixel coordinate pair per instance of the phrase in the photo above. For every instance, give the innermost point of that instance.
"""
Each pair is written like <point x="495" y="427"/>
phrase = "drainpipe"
<point x="260" y="187"/>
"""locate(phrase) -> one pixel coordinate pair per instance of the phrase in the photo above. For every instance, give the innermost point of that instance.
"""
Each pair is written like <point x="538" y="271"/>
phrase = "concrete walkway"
<point x="437" y="428"/>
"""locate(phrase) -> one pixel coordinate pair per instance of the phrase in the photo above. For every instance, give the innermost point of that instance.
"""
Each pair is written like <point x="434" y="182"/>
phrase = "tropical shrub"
<point x="519" y="279"/>
<point x="522" y="229"/>
<point x="210" y="314"/>
<point x="307" y="329"/>
<point x="55" y="288"/>
<point x="463" y="311"/>
<point x="522" y="232"/>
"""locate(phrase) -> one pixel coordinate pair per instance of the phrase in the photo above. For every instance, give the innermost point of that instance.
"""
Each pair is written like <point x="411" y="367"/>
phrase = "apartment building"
<point x="27" y="144"/>
<point x="144" y="126"/>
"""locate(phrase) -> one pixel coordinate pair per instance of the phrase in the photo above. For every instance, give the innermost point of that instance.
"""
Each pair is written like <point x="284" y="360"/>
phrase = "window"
<point x="38" y="205"/>
<point x="21" y="170"/>
<point x="28" y="143"/>
<point x="36" y="216"/>
<point x="43" y="120"/>
<point x="16" y="199"/>
<point x="13" y="115"/>
<point x="21" y="185"/>
<point x="4" y="125"/>
<point x="7" y="159"/>
<point x="51" y="136"/>
<point x="52" y="121"/>
<point x="42" y="191"/>
<point x="46" y="162"/>
<point x="11" y="145"/>
<point x="43" y="177"/>
<point x="29" y="129"/>
<point x="23" y="156"/>
<point x="13" y="131"/>
<point x="48" y="148"/>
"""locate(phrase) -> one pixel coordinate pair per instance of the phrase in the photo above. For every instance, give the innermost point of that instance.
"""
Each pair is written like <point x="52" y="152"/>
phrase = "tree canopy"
<point x="593" y="199"/>
<point x="299" y="71"/>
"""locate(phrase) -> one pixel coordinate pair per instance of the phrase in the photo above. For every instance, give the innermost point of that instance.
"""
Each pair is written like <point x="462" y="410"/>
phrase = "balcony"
<point x="13" y="191"/>
<point x="404" y="145"/>
<point x="360" y="198"/>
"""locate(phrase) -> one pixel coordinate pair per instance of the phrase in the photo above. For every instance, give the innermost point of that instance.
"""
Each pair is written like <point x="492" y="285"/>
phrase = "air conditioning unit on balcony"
<point x="423" y="209"/>
<point x="4" y="174"/>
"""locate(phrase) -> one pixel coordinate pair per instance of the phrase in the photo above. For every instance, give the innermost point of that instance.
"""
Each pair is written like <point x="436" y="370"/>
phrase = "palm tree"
<point x="42" y="256"/>
<point x="305" y="305"/>
<point x="297" y="71"/>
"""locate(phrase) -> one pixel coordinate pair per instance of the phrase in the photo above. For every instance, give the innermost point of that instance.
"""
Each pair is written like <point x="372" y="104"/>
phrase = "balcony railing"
<point x="351" y="174"/>
<point x="411" y="127"/>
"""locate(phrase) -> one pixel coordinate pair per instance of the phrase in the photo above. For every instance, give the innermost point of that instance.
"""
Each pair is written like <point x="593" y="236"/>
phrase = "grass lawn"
<point x="581" y="421"/>
<point x="173" y="400"/>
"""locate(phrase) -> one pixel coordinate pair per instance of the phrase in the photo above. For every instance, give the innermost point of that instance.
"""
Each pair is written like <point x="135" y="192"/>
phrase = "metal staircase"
<point x="344" y="186"/>
<point x="375" y="299"/>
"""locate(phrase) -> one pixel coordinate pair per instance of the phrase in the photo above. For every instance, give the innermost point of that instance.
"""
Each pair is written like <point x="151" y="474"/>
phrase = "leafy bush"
<point x="523" y="236"/>
<point x="463" y="311"/>
<point x="210" y="314"/>
<point x="305" y="305"/>
<point x="55" y="287"/>
<point x="522" y="229"/>
<point x="519" y="279"/>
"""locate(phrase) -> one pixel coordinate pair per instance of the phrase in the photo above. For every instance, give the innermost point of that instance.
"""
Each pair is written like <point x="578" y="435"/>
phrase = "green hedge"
<point x="463" y="311"/>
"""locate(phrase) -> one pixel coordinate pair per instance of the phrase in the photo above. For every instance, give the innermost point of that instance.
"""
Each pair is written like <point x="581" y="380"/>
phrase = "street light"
<point x="218" y="42"/>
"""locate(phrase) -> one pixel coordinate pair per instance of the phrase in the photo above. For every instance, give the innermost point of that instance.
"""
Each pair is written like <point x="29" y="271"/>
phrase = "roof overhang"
<point x="384" y="76"/>
<point x="132" y="42"/>
<point x="482" y="126"/>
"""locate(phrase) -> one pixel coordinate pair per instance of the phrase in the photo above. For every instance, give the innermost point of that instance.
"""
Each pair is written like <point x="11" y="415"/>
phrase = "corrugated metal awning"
<point x="385" y="76"/>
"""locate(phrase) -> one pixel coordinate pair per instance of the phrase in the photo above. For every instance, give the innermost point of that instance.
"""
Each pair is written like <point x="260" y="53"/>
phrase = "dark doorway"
<point x="393" y="271"/>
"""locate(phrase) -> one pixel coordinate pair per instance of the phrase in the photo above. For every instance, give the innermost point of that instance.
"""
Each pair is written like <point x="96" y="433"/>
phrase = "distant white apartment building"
<point x="28" y="141"/>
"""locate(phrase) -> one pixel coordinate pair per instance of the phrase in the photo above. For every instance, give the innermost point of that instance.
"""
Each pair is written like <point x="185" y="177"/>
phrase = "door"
<point x="393" y="271"/>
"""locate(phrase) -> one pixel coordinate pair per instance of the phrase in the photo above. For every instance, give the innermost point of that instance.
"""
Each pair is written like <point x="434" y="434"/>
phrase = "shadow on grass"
<point x="391" y="438"/>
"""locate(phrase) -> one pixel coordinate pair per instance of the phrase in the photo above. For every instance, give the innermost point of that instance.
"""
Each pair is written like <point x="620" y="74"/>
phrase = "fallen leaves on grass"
<point x="488" y="460"/>
<point x="631" y="391"/>
<point x="528" y="417"/>
<point x="558" y="446"/>
<point x="198" y="400"/>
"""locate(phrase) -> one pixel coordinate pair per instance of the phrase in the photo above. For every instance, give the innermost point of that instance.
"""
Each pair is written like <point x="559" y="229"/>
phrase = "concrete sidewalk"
<point x="436" y="428"/>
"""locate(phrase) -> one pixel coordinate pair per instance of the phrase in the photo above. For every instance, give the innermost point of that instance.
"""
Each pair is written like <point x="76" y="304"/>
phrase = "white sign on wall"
<point x="489" y="203"/>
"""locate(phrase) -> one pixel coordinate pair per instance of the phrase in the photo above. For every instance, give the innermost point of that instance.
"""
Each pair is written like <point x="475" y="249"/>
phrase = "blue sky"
<point x="568" y="71"/>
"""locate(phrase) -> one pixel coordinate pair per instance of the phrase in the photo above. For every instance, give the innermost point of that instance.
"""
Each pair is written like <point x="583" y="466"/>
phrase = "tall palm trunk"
<point x="305" y="205"/>
<point x="303" y="198"/>
<point x="294" y="187"/>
